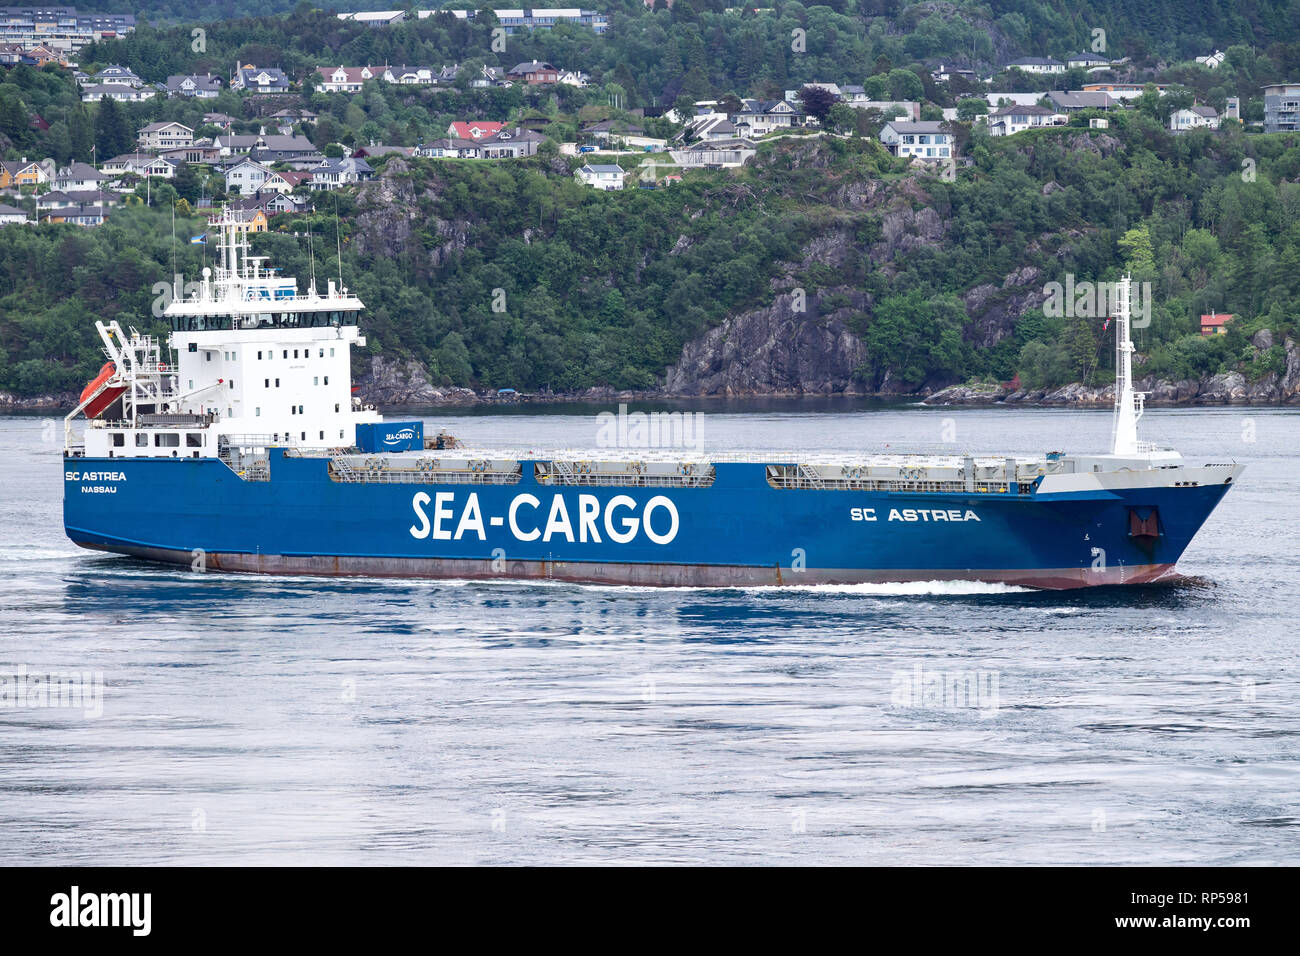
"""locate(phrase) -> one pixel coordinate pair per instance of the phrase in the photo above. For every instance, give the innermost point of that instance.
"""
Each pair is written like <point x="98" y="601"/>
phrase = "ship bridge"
<point x="250" y="354"/>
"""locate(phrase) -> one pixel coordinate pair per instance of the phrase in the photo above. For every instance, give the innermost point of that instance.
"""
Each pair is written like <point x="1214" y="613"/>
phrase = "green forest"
<point x="604" y="289"/>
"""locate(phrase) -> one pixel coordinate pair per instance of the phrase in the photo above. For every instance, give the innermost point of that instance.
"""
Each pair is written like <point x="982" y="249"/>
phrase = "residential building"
<point x="575" y="78"/>
<point x="609" y="129"/>
<point x="1086" y="61"/>
<point x="926" y="140"/>
<point x="409" y="75"/>
<point x="604" y="177"/>
<point x="202" y="87"/>
<point x="1195" y="117"/>
<point x="1282" y="107"/>
<point x="158" y="136"/>
<point x="249" y="220"/>
<point x="375" y="150"/>
<point x="714" y="154"/>
<point x="1213" y="61"/>
<point x="507" y="144"/>
<point x="116" y="91"/>
<point x="23" y="172"/>
<point x="78" y="215"/>
<point x="200" y="152"/>
<point x="1123" y="91"/>
<point x="333" y="173"/>
<point x="114" y="75"/>
<point x="944" y="73"/>
<point x="344" y="79"/>
<point x="1075" y="100"/>
<point x="521" y="21"/>
<point x="474" y="129"/>
<point x="141" y="164"/>
<point x="78" y="177"/>
<point x="246" y="177"/>
<point x="1009" y="120"/>
<point x="1232" y="108"/>
<point x="996" y="100"/>
<point x="535" y="73"/>
<point x="1036" y="64"/>
<point x="1216" y="323"/>
<point x="57" y="199"/>
<point x="259" y="80"/>
<point x="10" y="215"/>
<point x="61" y="29"/>
<point x="375" y="18"/>
<point x="760" y="117"/>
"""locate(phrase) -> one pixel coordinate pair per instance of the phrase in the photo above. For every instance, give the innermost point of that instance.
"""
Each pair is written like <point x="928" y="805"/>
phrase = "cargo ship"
<point x="238" y="445"/>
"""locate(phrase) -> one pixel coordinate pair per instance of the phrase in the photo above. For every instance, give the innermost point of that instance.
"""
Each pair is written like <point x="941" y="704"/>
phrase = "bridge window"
<point x="119" y="439"/>
<point x="167" y="440"/>
<point x="141" y="440"/>
<point x="193" y="439"/>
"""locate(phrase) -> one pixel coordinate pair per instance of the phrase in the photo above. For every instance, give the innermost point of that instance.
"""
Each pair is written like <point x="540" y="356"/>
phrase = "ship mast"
<point x="1128" y="403"/>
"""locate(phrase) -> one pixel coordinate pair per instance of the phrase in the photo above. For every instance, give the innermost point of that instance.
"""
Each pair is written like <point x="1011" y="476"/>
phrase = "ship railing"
<point x="803" y="482"/>
<point x="376" y="470"/>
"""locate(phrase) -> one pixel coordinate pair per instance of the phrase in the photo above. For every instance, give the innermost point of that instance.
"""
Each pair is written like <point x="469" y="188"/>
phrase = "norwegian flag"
<point x="1105" y="325"/>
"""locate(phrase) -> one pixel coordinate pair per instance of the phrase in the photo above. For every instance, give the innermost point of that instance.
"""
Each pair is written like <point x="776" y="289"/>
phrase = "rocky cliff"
<point x="1227" y="388"/>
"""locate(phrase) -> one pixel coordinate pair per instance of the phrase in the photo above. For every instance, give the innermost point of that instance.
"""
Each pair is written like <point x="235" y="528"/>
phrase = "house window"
<point x="277" y="383"/>
<point x="295" y="353"/>
<point x="300" y="410"/>
<point x="322" y="354"/>
<point x="191" y="383"/>
<point x="336" y="407"/>
<point x="259" y="356"/>
<point x="322" y="436"/>
<point x="286" y="353"/>
<point x="331" y="353"/>
<point x="257" y="412"/>
<point x="266" y="383"/>
<point x="232" y="383"/>
<point x="327" y="379"/>
<point x="315" y="379"/>
<point x="293" y="409"/>
<point x="304" y="436"/>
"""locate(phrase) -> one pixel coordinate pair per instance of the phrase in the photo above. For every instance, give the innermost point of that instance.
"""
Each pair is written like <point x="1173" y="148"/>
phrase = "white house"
<point x="408" y="75"/>
<point x="158" y="136"/>
<point x="1196" y="117"/>
<point x="1086" y="61"/>
<point x="246" y="177"/>
<point x="759" y="117"/>
<point x="1213" y="61"/>
<point x="601" y="176"/>
<point x="333" y="173"/>
<point x="1010" y="120"/>
<point x="926" y="140"/>
<point x="344" y="79"/>
<point x="12" y="214"/>
<point x="78" y="177"/>
<point x="1036" y="64"/>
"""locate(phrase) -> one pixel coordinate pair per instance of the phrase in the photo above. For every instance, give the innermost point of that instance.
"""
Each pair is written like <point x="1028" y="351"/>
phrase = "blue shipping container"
<point x="390" y="436"/>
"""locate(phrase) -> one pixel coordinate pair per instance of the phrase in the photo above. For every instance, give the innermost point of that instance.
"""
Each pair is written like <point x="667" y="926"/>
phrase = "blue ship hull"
<point x="738" y="531"/>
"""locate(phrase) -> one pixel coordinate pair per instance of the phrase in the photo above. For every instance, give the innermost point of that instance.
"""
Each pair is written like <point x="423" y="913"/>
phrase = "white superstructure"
<point x="250" y="360"/>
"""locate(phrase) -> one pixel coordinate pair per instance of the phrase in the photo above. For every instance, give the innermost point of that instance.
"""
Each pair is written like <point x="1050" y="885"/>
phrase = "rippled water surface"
<point x="303" y="720"/>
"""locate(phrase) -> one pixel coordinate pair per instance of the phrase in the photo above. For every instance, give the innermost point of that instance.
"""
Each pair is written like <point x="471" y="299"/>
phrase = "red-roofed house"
<point x="1215" y="323"/>
<point x="474" y="129"/>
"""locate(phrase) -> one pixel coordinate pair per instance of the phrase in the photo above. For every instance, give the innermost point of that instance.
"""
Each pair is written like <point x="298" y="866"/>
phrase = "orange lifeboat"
<point x="105" y="398"/>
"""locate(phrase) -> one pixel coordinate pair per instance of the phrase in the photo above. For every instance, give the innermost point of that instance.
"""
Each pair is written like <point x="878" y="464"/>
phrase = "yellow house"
<point x="250" y="220"/>
<point x="21" y="173"/>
